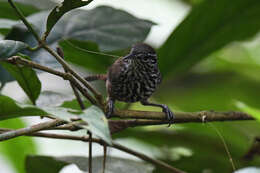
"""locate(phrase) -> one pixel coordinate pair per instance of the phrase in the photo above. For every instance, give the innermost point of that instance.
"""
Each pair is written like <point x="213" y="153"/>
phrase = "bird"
<point x="132" y="78"/>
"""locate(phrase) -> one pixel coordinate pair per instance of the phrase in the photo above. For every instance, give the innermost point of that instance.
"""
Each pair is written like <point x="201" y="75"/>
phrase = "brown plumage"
<point x="133" y="78"/>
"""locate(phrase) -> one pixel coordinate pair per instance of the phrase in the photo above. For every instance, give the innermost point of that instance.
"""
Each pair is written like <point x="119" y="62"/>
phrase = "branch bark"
<point x="99" y="141"/>
<point x="28" y="130"/>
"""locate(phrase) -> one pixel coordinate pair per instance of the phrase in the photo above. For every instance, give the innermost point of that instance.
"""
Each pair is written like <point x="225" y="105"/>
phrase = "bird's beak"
<point x="129" y="56"/>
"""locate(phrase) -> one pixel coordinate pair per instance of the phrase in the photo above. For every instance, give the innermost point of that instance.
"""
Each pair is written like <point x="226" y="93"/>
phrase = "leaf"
<point x="73" y="104"/>
<point x="16" y="150"/>
<point x="119" y="32"/>
<point x="198" y="138"/>
<point x="255" y="112"/>
<point x="6" y="11"/>
<point x="26" y="77"/>
<point x="90" y="61"/>
<point x="9" y="48"/>
<point x="113" y="164"/>
<point x="93" y="116"/>
<point x="209" y="91"/>
<point x="97" y="123"/>
<point x="11" y="109"/>
<point x="61" y="9"/>
<point x="206" y="30"/>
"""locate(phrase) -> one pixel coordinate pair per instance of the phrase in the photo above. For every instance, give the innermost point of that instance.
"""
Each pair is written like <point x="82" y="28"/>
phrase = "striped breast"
<point x="132" y="82"/>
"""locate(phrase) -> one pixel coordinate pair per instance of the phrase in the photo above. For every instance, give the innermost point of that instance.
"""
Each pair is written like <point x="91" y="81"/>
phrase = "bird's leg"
<point x="96" y="77"/>
<point x="110" y="107"/>
<point x="165" y="109"/>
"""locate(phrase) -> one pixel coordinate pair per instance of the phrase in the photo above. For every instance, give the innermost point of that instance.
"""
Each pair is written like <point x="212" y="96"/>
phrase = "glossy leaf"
<point x="210" y="25"/>
<point x="97" y="123"/>
<point x="93" y="116"/>
<point x="61" y="9"/>
<point x="113" y="164"/>
<point x="10" y="47"/>
<point x="26" y="77"/>
<point x="11" y="109"/>
<point x="75" y="53"/>
<point x="122" y="29"/>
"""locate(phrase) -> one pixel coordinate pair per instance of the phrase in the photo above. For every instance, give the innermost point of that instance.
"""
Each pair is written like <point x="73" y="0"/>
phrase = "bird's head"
<point x="141" y="54"/>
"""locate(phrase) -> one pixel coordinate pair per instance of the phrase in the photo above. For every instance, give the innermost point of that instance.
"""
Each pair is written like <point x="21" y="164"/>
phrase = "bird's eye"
<point x="145" y="59"/>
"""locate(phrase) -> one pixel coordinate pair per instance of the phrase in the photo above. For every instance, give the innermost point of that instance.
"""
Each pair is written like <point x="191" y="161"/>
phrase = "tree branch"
<point x="43" y="44"/>
<point x="99" y="141"/>
<point x="97" y="95"/>
<point x="28" y="130"/>
<point x="65" y="76"/>
<point x="183" y="117"/>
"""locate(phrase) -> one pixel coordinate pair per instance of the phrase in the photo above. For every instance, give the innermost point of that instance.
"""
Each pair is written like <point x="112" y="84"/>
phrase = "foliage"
<point x="204" y="65"/>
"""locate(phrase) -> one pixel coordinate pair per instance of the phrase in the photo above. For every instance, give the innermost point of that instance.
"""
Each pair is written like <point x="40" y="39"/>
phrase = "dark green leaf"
<point x="6" y="11"/>
<point x="73" y="104"/>
<point x="61" y="9"/>
<point x="113" y="164"/>
<point x="119" y="31"/>
<point x="16" y="150"/>
<point x="10" y="47"/>
<point x="90" y="61"/>
<point x="209" y="91"/>
<point x="26" y="77"/>
<point x="11" y="109"/>
<point x="202" y="141"/>
<point x="210" y="26"/>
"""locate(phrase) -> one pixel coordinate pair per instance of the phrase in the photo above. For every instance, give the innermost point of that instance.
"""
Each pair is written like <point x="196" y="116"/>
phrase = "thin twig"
<point x="104" y="158"/>
<point x="82" y="106"/>
<point x="41" y="126"/>
<point x="97" y="95"/>
<point x="65" y="76"/>
<point x="27" y="24"/>
<point x="114" y="145"/>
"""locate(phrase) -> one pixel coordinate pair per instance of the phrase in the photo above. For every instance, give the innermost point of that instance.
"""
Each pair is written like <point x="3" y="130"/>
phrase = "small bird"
<point x="133" y="78"/>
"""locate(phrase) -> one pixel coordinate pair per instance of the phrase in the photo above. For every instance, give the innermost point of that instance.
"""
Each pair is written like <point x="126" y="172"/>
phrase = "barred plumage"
<point x="133" y="78"/>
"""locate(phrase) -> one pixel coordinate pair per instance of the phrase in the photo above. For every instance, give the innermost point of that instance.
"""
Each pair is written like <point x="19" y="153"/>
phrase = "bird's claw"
<point x="169" y="114"/>
<point x="110" y="109"/>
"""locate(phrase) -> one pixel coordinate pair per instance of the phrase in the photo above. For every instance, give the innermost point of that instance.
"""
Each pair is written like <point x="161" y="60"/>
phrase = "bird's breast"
<point x="133" y="84"/>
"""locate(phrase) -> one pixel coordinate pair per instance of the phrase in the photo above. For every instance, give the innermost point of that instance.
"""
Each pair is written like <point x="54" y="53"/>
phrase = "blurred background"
<point x="215" y="71"/>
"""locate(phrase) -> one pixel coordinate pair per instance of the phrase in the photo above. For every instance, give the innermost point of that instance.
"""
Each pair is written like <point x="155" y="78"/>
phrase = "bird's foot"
<point x="169" y="114"/>
<point x="110" y="109"/>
